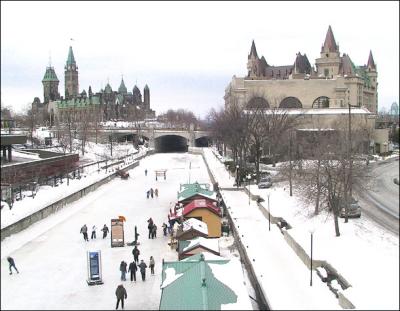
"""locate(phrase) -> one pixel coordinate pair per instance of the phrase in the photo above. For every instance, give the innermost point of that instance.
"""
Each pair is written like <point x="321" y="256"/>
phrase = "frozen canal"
<point x="52" y="263"/>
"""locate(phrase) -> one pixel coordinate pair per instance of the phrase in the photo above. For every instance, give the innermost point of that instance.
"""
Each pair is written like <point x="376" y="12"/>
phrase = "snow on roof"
<point x="195" y="224"/>
<point x="232" y="276"/>
<point x="211" y="244"/>
<point x="316" y="111"/>
<point x="170" y="277"/>
<point x="207" y="256"/>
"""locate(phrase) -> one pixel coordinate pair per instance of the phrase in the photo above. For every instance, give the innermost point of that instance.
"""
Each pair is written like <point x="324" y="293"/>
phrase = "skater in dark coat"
<point x="136" y="253"/>
<point x="12" y="264"/>
<point x="84" y="232"/>
<point x="150" y="226"/>
<point x="143" y="267"/>
<point x="121" y="295"/>
<point x="152" y="192"/>
<point x="145" y="172"/>
<point x="148" y="193"/>
<point x="122" y="268"/>
<point x="105" y="231"/>
<point x="164" y="227"/>
<point x="154" y="231"/>
<point x="132" y="269"/>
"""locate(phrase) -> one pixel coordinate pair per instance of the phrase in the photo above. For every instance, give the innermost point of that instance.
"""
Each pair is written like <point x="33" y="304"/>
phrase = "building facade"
<point x="104" y="105"/>
<point x="322" y="94"/>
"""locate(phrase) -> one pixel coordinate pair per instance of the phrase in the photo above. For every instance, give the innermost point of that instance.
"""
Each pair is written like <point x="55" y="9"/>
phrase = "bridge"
<point x="156" y="136"/>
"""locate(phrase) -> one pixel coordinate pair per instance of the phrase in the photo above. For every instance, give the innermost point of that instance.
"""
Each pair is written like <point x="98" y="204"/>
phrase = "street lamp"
<point x="269" y="214"/>
<point x="311" y="260"/>
<point x="237" y="176"/>
<point x="249" y="178"/>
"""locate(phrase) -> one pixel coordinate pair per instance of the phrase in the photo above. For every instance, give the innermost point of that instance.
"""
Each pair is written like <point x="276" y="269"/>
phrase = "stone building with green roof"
<point x="102" y="106"/>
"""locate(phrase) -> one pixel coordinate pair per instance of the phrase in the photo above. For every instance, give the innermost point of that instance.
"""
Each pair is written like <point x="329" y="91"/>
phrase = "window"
<point x="290" y="102"/>
<point x="321" y="102"/>
<point x="326" y="72"/>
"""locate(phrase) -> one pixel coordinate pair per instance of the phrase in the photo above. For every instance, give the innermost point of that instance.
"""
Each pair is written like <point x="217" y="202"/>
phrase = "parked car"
<point x="265" y="182"/>
<point x="354" y="210"/>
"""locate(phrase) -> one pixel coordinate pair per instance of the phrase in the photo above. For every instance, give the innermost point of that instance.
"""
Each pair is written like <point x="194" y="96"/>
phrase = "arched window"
<point x="257" y="102"/>
<point x="321" y="102"/>
<point x="290" y="102"/>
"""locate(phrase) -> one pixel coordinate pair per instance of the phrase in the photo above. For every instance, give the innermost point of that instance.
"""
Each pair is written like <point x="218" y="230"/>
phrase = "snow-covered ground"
<point x="51" y="254"/>
<point x="365" y="254"/>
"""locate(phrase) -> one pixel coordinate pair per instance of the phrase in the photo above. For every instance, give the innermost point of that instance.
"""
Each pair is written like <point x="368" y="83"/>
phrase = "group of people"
<point x="152" y="228"/>
<point x="152" y="192"/>
<point x="84" y="231"/>
<point x="133" y="267"/>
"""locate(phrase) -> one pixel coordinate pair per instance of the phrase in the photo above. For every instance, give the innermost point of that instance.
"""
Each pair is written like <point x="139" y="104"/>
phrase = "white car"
<point x="265" y="182"/>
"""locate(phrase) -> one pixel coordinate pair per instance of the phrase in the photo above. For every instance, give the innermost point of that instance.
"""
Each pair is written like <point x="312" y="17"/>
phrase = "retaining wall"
<point x="54" y="207"/>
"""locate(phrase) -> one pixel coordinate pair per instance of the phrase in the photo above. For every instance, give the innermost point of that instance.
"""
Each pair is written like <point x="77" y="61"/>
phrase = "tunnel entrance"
<point x="204" y="141"/>
<point x="171" y="143"/>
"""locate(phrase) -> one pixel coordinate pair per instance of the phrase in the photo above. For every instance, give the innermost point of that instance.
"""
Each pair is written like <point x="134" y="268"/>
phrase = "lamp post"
<point x="311" y="260"/>
<point x="269" y="214"/>
<point x="237" y="176"/>
<point x="249" y="178"/>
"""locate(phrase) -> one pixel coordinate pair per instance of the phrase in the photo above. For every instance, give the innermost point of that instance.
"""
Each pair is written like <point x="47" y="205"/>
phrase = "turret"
<point x="253" y="62"/>
<point x="146" y="97"/>
<point x="50" y="85"/>
<point x="329" y="62"/>
<point x="122" y="88"/>
<point x="71" y="76"/>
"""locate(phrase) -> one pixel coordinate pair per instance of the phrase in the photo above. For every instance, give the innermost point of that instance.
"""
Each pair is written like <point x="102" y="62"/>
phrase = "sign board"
<point x="117" y="233"/>
<point x="94" y="268"/>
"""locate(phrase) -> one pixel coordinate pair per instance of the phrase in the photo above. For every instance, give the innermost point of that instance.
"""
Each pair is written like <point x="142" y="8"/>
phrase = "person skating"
<point x="148" y="193"/>
<point x="136" y="253"/>
<point x="143" y="267"/>
<point x="93" y="236"/>
<point x="152" y="192"/>
<point x="152" y="264"/>
<point x="154" y="231"/>
<point x="150" y="226"/>
<point x="122" y="268"/>
<point x="156" y="192"/>
<point x="12" y="264"/>
<point x="132" y="269"/>
<point x="121" y="295"/>
<point x="145" y="172"/>
<point x="105" y="231"/>
<point x="84" y="232"/>
<point x="164" y="227"/>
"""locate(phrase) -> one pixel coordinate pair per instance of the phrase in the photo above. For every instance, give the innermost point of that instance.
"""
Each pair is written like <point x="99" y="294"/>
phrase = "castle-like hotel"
<point x="335" y="83"/>
<point x="101" y="106"/>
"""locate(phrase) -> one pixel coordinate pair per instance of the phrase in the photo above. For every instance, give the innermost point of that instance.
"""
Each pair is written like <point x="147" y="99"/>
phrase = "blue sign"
<point x="94" y="265"/>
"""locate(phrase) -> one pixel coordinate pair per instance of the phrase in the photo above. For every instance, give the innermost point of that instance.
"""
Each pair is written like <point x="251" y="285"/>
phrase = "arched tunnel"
<point x="204" y="141"/>
<point x="171" y="143"/>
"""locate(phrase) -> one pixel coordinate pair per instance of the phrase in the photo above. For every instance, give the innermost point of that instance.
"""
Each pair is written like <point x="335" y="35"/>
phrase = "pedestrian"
<point x="151" y="264"/>
<point x="152" y="192"/>
<point x="84" y="232"/>
<point x="154" y="231"/>
<point x="12" y="264"/>
<point x="148" y="193"/>
<point x="156" y="192"/>
<point x="93" y="236"/>
<point x="121" y="295"/>
<point x="150" y="227"/>
<point x="143" y="267"/>
<point x="136" y="253"/>
<point x="145" y="172"/>
<point x="164" y="227"/>
<point x="122" y="268"/>
<point x="132" y="269"/>
<point x="105" y="231"/>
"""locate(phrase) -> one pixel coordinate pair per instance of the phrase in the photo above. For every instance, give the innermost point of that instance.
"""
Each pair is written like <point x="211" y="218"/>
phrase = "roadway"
<point x="380" y="198"/>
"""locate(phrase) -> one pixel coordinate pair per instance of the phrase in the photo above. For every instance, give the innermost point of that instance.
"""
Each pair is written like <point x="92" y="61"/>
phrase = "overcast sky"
<point x="187" y="52"/>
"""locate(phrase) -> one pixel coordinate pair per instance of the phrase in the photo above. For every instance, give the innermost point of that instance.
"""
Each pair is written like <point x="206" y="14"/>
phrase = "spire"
<point x="71" y="58"/>
<point x="330" y="44"/>
<point x="122" y="88"/>
<point x="253" y="51"/>
<point x="371" y="63"/>
<point x="49" y="58"/>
